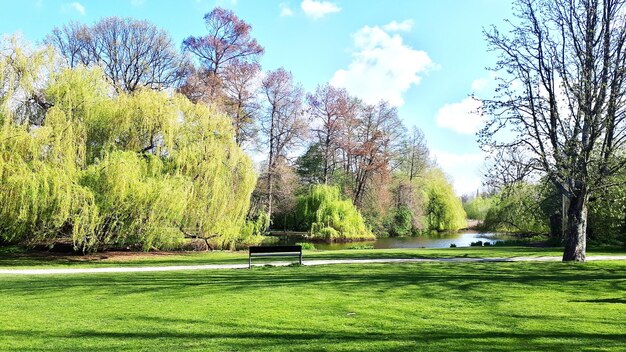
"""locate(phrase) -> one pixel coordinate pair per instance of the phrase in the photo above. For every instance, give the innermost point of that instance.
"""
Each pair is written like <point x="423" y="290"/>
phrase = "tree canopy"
<point x="102" y="168"/>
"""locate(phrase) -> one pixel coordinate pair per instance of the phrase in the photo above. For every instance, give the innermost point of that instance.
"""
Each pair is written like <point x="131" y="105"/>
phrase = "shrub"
<point x="306" y="246"/>
<point x="361" y="246"/>
<point x="329" y="217"/>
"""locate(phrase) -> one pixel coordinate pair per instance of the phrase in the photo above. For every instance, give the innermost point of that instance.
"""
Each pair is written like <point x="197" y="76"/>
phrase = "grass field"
<point x="12" y="257"/>
<point x="377" y="307"/>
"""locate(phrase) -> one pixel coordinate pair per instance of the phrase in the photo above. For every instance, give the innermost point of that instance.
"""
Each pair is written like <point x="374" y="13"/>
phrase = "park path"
<point x="141" y="269"/>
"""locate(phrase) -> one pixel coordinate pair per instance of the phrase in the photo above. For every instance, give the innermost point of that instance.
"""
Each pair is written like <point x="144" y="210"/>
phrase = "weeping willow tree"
<point x="326" y="215"/>
<point x="444" y="211"/>
<point x="79" y="161"/>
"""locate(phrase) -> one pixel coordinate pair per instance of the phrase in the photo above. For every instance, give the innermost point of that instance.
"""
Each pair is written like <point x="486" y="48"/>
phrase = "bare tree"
<point x="72" y="42"/>
<point x="240" y="92"/>
<point x="132" y="53"/>
<point x="505" y="167"/>
<point x="283" y="122"/>
<point x="561" y="99"/>
<point x="329" y="106"/>
<point x="228" y="39"/>
<point x="415" y="155"/>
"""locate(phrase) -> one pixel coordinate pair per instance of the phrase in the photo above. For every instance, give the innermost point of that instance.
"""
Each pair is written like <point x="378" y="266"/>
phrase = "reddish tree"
<point x="228" y="39"/>
<point x="201" y="86"/>
<point x="375" y="141"/>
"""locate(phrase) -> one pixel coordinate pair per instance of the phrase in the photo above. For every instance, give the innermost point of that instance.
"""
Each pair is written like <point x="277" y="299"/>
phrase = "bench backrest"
<point x="275" y="249"/>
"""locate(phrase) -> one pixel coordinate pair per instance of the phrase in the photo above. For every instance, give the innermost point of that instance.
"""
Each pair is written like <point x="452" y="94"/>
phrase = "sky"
<point x="425" y="57"/>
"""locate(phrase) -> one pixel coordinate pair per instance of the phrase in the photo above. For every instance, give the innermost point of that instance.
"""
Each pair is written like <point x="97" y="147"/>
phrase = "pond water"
<point x="441" y="240"/>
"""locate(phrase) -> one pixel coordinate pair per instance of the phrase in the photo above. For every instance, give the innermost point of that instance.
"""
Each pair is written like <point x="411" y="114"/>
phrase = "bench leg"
<point x="300" y="258"/>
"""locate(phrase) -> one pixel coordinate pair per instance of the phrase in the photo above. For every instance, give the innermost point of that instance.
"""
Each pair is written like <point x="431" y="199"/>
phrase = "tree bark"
<point x="576" y="239"/>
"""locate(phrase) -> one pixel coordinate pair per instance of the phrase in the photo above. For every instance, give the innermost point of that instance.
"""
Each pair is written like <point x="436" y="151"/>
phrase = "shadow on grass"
<point x="602" y="300"/>
<point x="453" y="276"/>
<point x="282" y="338"/>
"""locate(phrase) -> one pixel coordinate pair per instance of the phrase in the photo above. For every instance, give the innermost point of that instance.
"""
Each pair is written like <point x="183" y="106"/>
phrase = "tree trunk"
<point x="270" y="191"/>
<point x="576" y="232"/>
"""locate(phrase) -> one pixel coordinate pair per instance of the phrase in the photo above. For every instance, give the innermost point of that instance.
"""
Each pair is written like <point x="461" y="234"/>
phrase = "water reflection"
<point x="442" y="240"/>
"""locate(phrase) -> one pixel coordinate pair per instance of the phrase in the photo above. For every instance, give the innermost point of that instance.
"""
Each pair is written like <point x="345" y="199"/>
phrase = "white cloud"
<point x="383" y="67"/>
<point x="74" y="6"/>
<point x="485" y="85"/>
<point x="395" y="26"/>
<point x="464" y="117"/>
<point x="318" y="9"/>
<point x="285" y="10"/>
<point x="479" y="84"/>
<point x="462" y="168"/>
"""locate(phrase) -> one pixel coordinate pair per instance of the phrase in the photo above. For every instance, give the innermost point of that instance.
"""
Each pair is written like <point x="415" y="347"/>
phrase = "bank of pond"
<point x="465" y="238"/>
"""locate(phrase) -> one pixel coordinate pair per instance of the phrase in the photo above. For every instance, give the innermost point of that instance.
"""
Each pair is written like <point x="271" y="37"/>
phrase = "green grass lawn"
<point x="377" y="307"/>
<point x="14" y="258"/>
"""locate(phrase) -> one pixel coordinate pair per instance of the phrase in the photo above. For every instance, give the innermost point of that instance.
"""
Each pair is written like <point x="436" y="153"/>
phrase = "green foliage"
<point x="327" y="216"/>
<point x="478" y="207"/>
<point x="444" y="211"/>
<point x="116" y="170"/>
<point x="518" y="208"/>
<point x="255" y="228"/>
<point x="361" y="246"/>
<point x="310" y="166"/>
<point x="401" y="223"/>
<point x="306" y="246"/>
<point x="137" y="203"/>
<point x="607" y="216"/>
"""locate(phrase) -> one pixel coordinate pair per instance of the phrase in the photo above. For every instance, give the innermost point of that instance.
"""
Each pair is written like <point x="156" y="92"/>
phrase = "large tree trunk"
<point x="576" y="232"/>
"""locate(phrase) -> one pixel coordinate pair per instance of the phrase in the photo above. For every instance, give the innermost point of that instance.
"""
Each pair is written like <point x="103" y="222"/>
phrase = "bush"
<point x="361" y="246"/>
<point x="327" y="216"/>
<point x="306" y="246"/>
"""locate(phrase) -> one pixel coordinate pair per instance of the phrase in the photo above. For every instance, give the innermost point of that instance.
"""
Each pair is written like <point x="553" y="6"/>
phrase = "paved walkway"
<point x="138" y="269"/>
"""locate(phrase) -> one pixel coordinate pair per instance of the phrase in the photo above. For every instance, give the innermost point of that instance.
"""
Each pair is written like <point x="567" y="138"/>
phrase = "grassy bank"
<point x="435" y="307"/>
<point x="16" y="258"/>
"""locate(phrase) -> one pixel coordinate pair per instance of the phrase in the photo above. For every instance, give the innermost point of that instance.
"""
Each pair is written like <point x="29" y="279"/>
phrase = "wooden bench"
<point x="274" y="251"/>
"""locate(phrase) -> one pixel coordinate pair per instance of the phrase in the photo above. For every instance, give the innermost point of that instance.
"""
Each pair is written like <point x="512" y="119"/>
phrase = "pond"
<point x="440" y="240"/>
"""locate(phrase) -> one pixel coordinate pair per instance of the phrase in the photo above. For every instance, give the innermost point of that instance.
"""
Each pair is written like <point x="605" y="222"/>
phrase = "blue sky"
<point x="425" y="56"/>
